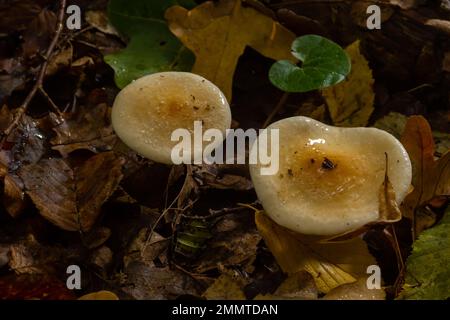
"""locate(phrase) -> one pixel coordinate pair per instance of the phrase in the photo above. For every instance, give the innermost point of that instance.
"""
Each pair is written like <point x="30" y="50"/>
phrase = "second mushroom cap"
<point x="147" y="111"/>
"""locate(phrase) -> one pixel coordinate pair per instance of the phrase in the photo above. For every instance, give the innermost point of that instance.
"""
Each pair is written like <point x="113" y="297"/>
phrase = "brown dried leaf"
<point x="221" y="177"/>
<point x="13" y="195"/>
<point x="38" y="35"/>
<point x="430" y="178"/>
<point x="150" y="282"/>
<point x="12" y="76"/>
<point x="99" y="20"/>
<point x="17" y="14"/>
<point x="234" y="243"/>
<point x="301" y="25"/>
<point x="89" y="128"/>
<point x="144" y="249"/>
<point x="71" y="198"/>
<point x="61" y="59"/>
<point x="31" y="257"/>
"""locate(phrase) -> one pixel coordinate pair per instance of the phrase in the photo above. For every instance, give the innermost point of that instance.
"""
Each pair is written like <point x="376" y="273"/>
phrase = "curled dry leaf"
<point x="68" y="197"/>
<point x="99" y="20"/>
<point x="331" y="264"/>
<point x="351" y="102"/>
<point x="89" y="128"/>
<point x="430" y="178"/>
<point x="218" y="33"/>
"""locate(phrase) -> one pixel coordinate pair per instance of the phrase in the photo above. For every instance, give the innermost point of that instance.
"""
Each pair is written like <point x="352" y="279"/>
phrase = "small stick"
<point x="277" y="109"/>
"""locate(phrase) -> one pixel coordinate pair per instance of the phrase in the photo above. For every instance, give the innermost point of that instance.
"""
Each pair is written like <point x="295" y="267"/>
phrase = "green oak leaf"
<point x="152" y="47"/>
<point x="427" y="268"/>
<point x="324" y="63"/>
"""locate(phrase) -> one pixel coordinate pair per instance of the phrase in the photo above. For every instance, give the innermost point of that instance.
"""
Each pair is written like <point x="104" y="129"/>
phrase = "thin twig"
<point x="400" y="262"/>
<point x="38" y="85"/>
<point x="50" y="101"/>
<point x="163" y="214"/>
<point x="277" y="109"/>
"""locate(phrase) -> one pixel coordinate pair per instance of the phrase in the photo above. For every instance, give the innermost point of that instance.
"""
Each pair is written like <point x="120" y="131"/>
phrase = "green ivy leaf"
<point x="324" y="63"/>
<point x="427" y="268"/>
<point x="152" y="47"/>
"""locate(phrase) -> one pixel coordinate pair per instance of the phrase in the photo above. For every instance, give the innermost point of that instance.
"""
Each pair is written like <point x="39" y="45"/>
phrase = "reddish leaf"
<point x="27" y="287"/>
<point x="430" y="178"/>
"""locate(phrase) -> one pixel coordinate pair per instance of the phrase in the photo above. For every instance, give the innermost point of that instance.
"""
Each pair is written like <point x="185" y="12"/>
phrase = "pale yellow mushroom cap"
<point x="329" y="178"/>
<point x="147" y="111"/>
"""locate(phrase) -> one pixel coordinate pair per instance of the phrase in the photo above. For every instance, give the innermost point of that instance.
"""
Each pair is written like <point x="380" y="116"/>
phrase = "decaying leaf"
<point x="71" y="197"/>
<point x="13" y="195"/>
<point x="351" y="102"/>
<point x="221" y="177"/>
<point x="234" y="242"/>
<point x="427" y="271"/>
<point x="99" y="295"/>
<point x="150" y="282"/>
<point x="32" y="287"/>
<point x="89" y="128"/>
<point x="225" y="288"/>
<point x="331" y="265"/>
<point x="430" y="177"/>
<point x="218" y="33"/>
<point x="29" y="256"/>
<point x="99" y="20"/>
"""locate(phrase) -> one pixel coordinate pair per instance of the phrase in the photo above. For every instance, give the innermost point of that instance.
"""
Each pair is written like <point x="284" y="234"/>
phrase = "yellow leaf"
<point x="298" y="286"/>
<point x="225" y="288"/>
<point x="218" y="33"/>
<point x="351" y="102"/>
<point x="99" y="295"/>
<point x="430" y="178"/>
<point x="330" y="264"/>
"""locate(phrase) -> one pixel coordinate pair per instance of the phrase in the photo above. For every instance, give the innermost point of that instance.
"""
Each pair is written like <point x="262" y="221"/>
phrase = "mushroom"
<point x="147" y="111"/>
<point x="329" y="178"/>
